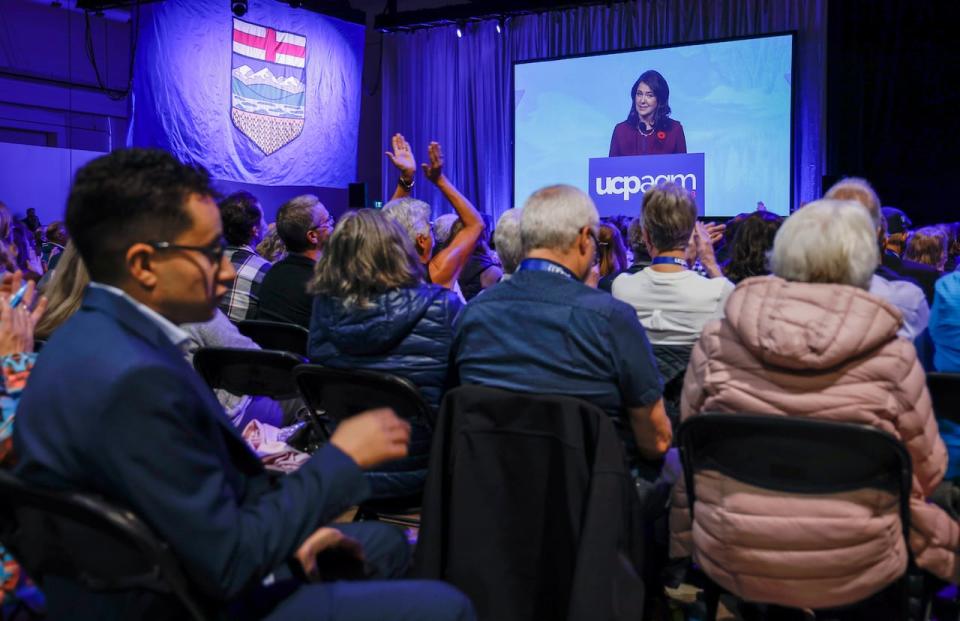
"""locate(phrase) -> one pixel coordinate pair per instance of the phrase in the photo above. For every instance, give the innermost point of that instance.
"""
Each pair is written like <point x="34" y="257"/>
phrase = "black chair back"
<point x="276" y="335"/>
<point x="800" y="456"/>
<point x="255" y="372"/>
<point x="342" y="393"/>
<point x="796" y="455"/>
<point x="945" y="393"/>
<point x="100" y="546"/>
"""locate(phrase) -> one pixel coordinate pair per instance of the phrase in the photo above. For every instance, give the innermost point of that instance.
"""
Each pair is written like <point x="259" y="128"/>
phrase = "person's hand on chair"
<point x="373" y="437"/>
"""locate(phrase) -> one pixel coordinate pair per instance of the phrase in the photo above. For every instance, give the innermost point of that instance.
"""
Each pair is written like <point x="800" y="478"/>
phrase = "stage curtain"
<point x="458" y="91"/>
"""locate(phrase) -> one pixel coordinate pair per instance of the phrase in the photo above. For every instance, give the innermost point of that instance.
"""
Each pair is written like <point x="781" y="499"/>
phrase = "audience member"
<point x="750" y="246"/>
<point x="243" y="228"/>
<point x="927" y="246"/>
<point x="544" y="331"/>
<point x="444" y="267"/>
<point x="32" y="220"/>
<point x="672" y="301"/>
<point x="953" y="245"/>
<point x="445" y="228"/>
<point x="271" y="246"/>
<point x="64" y="291"/>
<point x="483" y="269"/>
<point x="372" y="311"/>
<point x="113" y="408"/>
<point x="613" y="253"/>
<point x="304" y="225"/>
<point x="52" y="247"/>
<point x="811" y="342"/>
<point x="897" y="228"/>
<point x="612" y="260"/>
<point x="7" y="251"/>
<point x="24" y="251"/>
<point x="945" y="324"/>
<point x="641" y="256"/>
<point x="16" y="362"/>
<point x="891" y="260"/>
<point x="506" y="238"/>
<point x="900" y="290"/>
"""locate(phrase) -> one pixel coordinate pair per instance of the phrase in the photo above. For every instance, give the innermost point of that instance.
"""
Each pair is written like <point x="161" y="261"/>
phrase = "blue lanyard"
<point x="670" y="261"/>
<point x="543" y="265"/>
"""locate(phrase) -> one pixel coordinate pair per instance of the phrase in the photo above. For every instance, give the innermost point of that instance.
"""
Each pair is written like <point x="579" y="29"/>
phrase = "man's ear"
<point x="313" y="237"/>
<point x="584" y="244"/>
<point x="140" y="265"/>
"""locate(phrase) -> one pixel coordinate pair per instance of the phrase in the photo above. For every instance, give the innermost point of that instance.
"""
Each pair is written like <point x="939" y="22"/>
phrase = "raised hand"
<point x="402" y="157"/>
<point x="434" y="170"/>
<point x="715" y="231"/>
<point x="16" y="324"/>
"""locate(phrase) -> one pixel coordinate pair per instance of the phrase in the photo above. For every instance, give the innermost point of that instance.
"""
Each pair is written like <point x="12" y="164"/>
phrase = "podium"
<point x="617" y="184"/>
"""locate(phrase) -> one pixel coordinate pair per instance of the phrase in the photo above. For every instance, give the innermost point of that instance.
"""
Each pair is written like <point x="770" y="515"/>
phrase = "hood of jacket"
<point x="377" y="327"/>
<point x="798" y="325"/>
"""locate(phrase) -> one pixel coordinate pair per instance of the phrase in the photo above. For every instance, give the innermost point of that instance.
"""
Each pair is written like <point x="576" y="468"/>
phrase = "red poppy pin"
<point x="662" y="135"/>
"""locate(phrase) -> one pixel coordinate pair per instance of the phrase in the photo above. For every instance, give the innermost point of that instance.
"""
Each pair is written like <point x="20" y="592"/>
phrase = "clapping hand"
<point x="402" y="158"/>
<point x="16" y="324"/>
<point x="701" y="247"/>
<point x="434" y="170"/>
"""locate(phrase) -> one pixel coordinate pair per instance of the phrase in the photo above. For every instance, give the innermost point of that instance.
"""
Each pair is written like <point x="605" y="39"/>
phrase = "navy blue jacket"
<point x="406" y="332"/>
<point x="112" y="407"/>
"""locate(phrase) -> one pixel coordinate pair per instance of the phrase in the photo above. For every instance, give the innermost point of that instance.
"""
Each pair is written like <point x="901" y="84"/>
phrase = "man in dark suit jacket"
<point x="113" y="408"/>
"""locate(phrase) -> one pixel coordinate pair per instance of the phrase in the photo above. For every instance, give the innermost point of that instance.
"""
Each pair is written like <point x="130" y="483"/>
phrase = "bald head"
<point x="859" y="191"/>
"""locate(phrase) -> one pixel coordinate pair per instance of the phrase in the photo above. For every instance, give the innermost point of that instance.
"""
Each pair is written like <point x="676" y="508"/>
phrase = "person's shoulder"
<point x="949" y="286"/>
<point x="674" y="125"/>
<point x="622" y="127"/>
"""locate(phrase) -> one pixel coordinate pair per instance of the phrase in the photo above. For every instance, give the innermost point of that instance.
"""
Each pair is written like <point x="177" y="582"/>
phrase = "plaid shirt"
<point x="243" y="299"/>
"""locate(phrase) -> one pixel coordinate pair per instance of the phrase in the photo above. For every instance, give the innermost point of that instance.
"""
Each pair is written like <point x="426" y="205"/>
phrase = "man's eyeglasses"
<point x="600" y="244"/>
<point x="213" y="252"/>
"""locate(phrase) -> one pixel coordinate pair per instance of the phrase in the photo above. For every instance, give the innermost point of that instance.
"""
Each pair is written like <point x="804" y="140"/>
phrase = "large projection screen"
<point x="732" y="99"/>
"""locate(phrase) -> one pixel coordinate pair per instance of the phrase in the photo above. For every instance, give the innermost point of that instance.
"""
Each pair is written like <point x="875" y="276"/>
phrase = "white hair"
<point x="410" y="213"/>
<point x="553" y="217"/>
<point x="827" y="241"/>
<point x="860" y="191"/>
<point x="506" y="238"/>
<point x="442" y="227"/>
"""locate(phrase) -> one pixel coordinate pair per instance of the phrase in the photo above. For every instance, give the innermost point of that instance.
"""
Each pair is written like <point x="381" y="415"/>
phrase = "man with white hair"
<point x="901" y="291"/>
<point x="444" y="267"/>
<point x="545" y="331"/>
<point x="506" y="240"/>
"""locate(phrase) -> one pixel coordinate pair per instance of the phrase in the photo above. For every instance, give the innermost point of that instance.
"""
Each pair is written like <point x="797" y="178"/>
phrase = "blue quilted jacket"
<point x="406" y="332"/>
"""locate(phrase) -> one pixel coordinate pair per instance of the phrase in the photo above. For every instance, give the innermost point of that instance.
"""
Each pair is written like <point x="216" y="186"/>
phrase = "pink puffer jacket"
<point x="822" y="351"/>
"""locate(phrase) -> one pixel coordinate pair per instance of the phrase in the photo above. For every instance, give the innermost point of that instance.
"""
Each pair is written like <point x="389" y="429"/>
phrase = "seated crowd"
<point x="836" y="312"/>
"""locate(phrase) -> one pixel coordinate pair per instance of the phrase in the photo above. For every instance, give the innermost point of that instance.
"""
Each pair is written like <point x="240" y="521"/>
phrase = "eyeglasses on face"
<point x="213" y="252"/>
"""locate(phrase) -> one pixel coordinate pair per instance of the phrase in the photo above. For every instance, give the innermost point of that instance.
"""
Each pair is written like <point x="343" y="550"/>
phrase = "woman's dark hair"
<point x="240" y="213"/>
<point x="661" y="91"/>
<point x="751" y="243"/>
<point x="613" y="253"/>
<point x="126" y="197"/>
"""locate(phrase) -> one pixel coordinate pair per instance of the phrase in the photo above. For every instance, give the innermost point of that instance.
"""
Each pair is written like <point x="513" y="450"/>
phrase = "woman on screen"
<point x="648" y="129"/>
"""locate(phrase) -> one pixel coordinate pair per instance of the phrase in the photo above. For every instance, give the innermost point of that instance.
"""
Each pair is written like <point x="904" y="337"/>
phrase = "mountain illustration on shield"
<point x="263" y="90"/>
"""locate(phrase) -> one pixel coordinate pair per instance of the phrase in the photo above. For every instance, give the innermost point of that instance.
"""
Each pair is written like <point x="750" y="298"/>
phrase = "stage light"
<point x="501" y="24"/>
<point x="239" y="7"/>
<point x="459" y="31"/>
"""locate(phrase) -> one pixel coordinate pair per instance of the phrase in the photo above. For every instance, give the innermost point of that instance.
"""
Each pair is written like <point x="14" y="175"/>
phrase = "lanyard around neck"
<point x="670" y="261"/>
<point x="544" y="265"/>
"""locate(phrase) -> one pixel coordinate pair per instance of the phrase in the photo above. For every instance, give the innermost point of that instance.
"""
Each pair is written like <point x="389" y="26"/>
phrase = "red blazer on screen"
<point x="627" y="140"/>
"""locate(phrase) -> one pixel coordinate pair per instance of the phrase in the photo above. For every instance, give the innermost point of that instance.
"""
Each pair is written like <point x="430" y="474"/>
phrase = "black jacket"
<point x="530" y="510"/>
